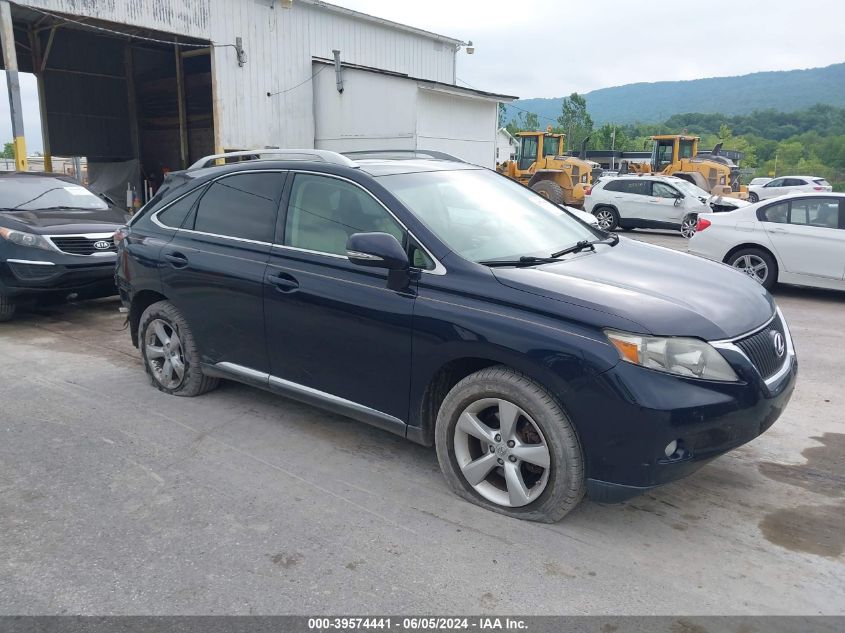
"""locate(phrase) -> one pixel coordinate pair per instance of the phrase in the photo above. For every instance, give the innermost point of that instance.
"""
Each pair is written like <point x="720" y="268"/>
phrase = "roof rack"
<point x="403" y="153"/>
<point x="278" y="154"/>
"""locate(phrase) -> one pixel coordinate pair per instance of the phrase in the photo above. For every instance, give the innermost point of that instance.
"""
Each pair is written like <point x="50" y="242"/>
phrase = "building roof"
<point x="366" y="17"/>
<point x="427" y="82"/>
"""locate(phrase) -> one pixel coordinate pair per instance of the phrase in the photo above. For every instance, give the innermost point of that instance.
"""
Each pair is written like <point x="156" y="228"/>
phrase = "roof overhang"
<point x="426" y="84"/>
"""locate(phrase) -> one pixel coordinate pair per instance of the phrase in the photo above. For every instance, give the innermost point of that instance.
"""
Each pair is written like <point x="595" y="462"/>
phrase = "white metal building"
<point x="168" y="81"/>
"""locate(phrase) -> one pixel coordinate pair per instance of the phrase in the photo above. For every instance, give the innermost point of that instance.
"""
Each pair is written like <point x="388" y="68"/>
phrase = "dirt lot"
<point x="115" y="498"/>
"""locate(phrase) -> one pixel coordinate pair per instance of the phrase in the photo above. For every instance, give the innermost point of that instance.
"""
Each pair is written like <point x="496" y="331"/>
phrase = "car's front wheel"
<point x="753" y="197"/>
<point x="7" y="308"/>
<point x="504" y="443"/>
<point x="170" y="352"/>
<point x="757" y="264"/>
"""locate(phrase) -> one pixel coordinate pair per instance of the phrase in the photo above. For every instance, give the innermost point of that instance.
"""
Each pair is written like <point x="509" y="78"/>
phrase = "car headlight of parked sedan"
<point x="690" y="357"/>
<point x="22" y="238"/>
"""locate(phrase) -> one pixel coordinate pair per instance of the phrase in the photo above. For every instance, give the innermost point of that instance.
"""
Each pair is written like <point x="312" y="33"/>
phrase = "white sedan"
<point x="795" y="239"/>
<point x="787" y="184"/>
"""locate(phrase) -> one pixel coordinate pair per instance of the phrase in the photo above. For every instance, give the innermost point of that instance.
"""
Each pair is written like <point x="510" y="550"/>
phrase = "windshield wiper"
<point x="575" y="248"/>
<point x="583" y="245"/>
<point x="522" y="261"/>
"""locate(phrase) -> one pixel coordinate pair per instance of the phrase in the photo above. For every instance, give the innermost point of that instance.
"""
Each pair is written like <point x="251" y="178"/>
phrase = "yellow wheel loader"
<point x="677" y="155"/>
<point x="541" y="165"/>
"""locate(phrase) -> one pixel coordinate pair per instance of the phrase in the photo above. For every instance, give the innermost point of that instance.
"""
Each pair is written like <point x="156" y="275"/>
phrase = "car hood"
<point x="666" y="292"/>
<point x="64" y="221"/>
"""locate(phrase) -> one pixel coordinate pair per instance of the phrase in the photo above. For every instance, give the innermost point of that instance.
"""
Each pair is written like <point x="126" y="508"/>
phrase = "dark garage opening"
<point x="116" y="98"/>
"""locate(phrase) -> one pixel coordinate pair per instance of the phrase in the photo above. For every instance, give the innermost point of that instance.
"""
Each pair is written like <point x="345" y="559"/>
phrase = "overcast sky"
<point x="551" y="48"/>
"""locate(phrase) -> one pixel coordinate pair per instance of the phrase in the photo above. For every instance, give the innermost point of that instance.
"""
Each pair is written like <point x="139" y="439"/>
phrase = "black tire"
<point x="7" y="308"/>
<point x="549" y="189"/>
<point x="193" y="382"/>
<point x="607" y="216"/>
<point x="753" y="197"/>
<point x="737" y="260"/>
<point x="565" y="480"/>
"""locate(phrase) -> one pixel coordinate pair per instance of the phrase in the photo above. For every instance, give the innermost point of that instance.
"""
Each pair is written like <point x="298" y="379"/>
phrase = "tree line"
<point x="809" y="141"/>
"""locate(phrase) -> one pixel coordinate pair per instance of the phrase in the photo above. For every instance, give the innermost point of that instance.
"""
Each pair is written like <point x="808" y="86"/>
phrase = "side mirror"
<point x="376" y="250"/>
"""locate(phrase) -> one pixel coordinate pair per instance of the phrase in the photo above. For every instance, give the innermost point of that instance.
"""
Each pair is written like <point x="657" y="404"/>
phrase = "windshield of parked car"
<point x="482" y="215"/>
<point x="30" y="193"/>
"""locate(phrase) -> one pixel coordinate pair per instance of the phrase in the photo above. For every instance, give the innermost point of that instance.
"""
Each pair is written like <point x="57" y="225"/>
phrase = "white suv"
<point x="787" y="184"/>
<point x="651" y="202"/>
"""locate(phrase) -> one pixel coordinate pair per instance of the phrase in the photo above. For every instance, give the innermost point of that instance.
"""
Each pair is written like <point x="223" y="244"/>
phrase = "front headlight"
<point x="690" y="357"/>
<point x="25" y="239"/>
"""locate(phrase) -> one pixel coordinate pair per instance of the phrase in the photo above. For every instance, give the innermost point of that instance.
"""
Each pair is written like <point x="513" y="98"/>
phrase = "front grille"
<point x="760" y="348"/>
<point x="81" y="245"/>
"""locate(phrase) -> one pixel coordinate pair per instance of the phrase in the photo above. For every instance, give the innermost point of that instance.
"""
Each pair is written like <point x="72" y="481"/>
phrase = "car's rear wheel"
<point x="504" y="443"/>
<point x="753" y="197"/>
<point x="7" y="308"/>
<point x="688" y="225"/>
<point x="757" y="264"/>
<point x="549" y="189"/>
<point x="608" y="217"/>
<point x="170" y="352"/>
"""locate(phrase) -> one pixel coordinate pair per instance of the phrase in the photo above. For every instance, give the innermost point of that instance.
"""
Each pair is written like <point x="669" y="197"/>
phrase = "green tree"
<point x="574" y="120"/>
<point x="9" y="150"/>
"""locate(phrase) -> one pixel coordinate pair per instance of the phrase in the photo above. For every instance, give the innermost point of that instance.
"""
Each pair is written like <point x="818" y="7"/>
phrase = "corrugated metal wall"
<point x="185" y="17"/>
<point x="279" y="45"/>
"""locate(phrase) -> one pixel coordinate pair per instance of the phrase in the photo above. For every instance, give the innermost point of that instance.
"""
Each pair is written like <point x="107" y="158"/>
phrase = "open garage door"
<point x="137" y="103"/>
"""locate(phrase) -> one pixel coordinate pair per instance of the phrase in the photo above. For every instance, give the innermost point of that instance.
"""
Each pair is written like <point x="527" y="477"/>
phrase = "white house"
<point x="506" y="146"/>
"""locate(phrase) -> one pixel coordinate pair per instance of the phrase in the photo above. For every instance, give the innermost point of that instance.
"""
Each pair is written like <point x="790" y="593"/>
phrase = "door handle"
<point x="777" y="230"/>
<point x="177" y="260"/>
<point x="283" y="282"/>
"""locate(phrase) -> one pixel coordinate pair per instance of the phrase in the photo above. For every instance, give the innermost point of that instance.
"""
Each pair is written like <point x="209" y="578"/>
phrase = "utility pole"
<point x="10" y="61"/>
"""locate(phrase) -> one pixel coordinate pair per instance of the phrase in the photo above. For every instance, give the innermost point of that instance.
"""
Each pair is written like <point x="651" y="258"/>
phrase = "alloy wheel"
<point x="753" y="266"/>
<point x="605" y="219"/>
<point x="688" y="227"/>
<point x="501" y="452"/>
<point x="163" y="353"/>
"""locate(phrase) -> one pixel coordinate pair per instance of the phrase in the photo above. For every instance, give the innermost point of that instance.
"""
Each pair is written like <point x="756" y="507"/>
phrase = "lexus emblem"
<point x="102" y="245"/>
<point x="779" y="343"/>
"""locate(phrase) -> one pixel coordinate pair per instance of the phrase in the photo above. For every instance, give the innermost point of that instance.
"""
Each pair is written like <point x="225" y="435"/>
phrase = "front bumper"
<point x="648" y="410"/>
<point x="34" y="277"/>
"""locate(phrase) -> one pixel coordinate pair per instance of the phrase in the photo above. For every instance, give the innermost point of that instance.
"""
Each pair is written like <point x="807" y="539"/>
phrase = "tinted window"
<point x="323" y="212"/>
<point x="243" y="205"/>
<point x="662" y="190"/>
<point x="778" y="213"/>
<point x="821" y="212"/>
<point x="793" y="182"/>
<point x="550" y="145"/>
<point x="613" y="185"/>
<point x="637" y="187"/>
<point x="175" y="214"/>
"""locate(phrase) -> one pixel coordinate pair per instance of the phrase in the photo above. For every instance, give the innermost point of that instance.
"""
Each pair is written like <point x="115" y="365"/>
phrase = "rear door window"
<point x="777" y="213"/>
<point x="638" y="187"/>
<point x="243" y="206"/>
<point x="175" y="214"/>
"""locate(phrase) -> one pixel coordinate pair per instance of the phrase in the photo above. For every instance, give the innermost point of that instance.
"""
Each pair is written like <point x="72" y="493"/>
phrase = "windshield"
<point x="484" y="216"/>
<point x="33" y="193"/>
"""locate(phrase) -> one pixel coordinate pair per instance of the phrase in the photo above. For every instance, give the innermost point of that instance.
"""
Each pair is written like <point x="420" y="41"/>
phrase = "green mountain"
<point x="785" y="90"/>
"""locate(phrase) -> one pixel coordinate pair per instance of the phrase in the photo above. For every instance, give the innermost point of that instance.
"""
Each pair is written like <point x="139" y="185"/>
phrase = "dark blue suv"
<point x="544" y="358"/>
